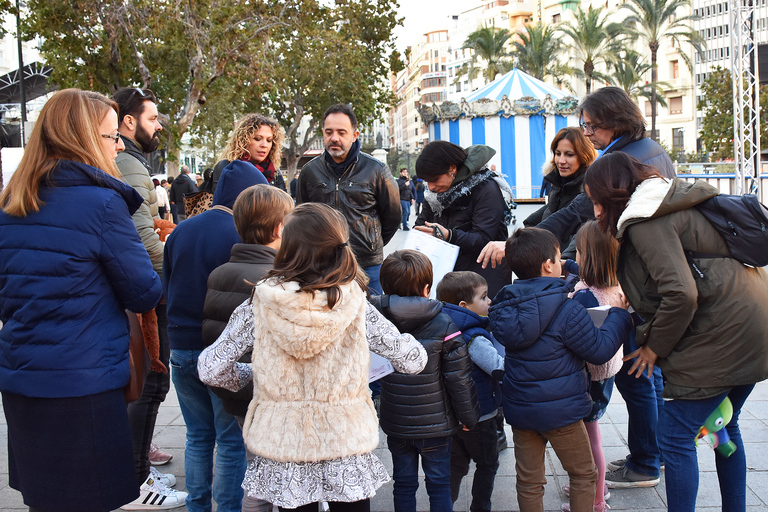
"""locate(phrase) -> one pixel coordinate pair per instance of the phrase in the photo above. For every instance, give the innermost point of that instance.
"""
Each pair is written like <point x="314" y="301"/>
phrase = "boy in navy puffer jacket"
<point x="465" y="295"/>
<point x="548" y="338"/>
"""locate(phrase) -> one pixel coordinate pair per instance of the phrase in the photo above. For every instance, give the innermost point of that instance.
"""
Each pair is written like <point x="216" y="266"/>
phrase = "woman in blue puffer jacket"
<point x="71" y="263"/>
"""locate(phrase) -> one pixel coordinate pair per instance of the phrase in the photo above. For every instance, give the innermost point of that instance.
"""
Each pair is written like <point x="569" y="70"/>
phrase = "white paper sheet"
<point x="598" y="314"/>
<point x="442" y="254"/>
<point x="380" y="367"/>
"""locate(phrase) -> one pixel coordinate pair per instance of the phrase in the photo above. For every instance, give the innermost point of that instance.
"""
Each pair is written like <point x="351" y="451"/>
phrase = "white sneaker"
<point x="166" y="479"/>
<point x="156" y="496"/>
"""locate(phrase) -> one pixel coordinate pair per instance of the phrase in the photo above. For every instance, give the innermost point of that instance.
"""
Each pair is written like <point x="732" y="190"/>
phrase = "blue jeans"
<point x="643" y="399"/>
<point x="373" y="279"/>
<point x="679" y="424"/>
<point x="406" y="207"/>
<point x="435" y="460"/>
<point x="208" y="427"/>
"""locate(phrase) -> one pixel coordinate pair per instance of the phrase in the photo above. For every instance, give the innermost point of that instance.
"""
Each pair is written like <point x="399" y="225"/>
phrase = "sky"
<point x="424" y="15"/>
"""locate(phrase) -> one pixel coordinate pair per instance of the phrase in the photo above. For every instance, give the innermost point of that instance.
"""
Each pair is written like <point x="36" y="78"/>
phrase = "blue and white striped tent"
<point x="517" y="115"/>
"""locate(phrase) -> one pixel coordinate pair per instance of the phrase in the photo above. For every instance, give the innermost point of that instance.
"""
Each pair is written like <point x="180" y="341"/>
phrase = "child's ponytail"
<point x="598" y="253"/>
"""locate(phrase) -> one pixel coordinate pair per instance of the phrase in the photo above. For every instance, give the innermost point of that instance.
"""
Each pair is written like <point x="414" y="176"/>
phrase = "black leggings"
<point x="334" y="506"/>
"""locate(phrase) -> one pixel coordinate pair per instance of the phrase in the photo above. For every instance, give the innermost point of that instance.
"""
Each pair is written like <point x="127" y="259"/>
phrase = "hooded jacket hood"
<point x="464" y="318"/>
<point x="236" y="177"/>
<point x="657" y="197"/>
<point x="529" y="306"/>
<point x="407" y="313"/>
<point x="68" y="173"/>
<point x="477" y="156"/>
<point x="293" y="318"/>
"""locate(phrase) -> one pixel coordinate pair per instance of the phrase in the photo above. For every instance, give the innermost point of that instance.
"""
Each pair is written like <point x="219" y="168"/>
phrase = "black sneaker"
<point x="502" y="441"/>
<point x="625" y="478"/>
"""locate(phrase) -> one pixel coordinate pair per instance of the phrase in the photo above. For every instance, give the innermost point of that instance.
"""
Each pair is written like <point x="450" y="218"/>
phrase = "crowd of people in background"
<point x="264" y="306"/>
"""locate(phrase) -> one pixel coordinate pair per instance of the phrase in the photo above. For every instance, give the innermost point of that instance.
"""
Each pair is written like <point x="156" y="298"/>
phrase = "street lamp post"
<point x="408" y="153"/>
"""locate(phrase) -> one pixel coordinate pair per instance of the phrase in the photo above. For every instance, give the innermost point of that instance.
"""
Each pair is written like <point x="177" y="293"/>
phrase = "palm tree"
<point x="593" y="41"/>
<point x="655" y="21"/>
<point x="537" y="51"/>
<point x="628" y="71"/>
<point x="488" y="43"/>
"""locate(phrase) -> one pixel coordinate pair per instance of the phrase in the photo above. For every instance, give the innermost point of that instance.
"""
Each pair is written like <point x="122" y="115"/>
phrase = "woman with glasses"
<point x="259" y="140"/>
<point x="71" y="263"/>
<point x="571" y="155"/>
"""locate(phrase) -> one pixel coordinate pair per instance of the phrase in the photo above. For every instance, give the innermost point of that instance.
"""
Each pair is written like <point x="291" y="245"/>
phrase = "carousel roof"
<point x="515" y="85"/>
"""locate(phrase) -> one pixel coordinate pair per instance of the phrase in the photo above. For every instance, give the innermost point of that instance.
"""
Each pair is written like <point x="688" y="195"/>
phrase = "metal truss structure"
<point x="746" y="102"/>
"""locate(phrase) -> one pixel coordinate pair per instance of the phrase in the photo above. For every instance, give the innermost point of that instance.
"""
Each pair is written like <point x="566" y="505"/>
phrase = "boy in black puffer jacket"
<point x="420" y="413"/>
<point x="465" y="295"/>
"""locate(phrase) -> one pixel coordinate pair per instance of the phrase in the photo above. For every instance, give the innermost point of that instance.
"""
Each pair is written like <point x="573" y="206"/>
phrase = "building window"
<point x="676" y="105"/>
<point x="678" y="138"/>
<point x="674" y="69"/>
<point x="556" y="18"/>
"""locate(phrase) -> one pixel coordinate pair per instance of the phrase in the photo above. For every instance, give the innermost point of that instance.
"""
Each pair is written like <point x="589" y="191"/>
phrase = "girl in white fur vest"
<point x="596" y="258"/>
<point x="311" y="423"/>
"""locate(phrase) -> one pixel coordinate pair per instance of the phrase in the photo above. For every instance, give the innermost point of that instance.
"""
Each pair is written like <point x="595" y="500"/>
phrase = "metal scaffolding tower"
<point x="746" y="102"/>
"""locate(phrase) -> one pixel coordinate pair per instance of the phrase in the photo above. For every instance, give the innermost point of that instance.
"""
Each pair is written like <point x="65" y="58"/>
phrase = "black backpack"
<point x="742" y="221"/>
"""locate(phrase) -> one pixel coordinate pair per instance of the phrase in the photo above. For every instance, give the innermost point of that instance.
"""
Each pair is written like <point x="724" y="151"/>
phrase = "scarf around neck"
<point x="267" y="168"/>
<point x="135" y="151"/>
<point x="340" y="168"/>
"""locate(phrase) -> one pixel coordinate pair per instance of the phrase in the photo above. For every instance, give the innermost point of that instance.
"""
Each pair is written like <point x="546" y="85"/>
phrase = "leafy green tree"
<point x="717" y="124"/>
<point x="488" y="45"/>
<point x="717" y="104"/>
<point x="216" y="119"/>
<point x="328" y="54"/>
<point x="178" y="49"/>
<point x="628" y="72"/>
<point x="538" y="50"/>
<point x="655" y="21"/>
<point x="592" y="41"/>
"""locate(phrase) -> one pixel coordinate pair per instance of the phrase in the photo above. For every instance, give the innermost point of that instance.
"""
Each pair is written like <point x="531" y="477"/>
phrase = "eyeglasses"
<point x="115" y="138"/>
<point x="589" y="129"/>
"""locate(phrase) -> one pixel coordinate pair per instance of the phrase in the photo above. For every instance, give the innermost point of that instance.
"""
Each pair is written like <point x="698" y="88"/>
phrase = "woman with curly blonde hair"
<point x="259" y="140"/>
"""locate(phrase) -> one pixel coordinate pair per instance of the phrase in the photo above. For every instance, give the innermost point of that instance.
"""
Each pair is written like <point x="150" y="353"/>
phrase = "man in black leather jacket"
<point x="360" y="187"/>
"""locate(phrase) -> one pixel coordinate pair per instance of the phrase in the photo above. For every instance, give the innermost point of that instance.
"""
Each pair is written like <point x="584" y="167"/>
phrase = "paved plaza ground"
<point x="170" y="436"/>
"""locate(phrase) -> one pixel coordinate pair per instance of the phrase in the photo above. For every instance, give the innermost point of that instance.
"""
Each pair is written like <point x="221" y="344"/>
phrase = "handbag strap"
<point x="222" y="208"/>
